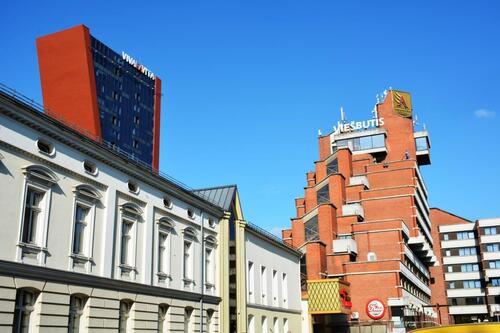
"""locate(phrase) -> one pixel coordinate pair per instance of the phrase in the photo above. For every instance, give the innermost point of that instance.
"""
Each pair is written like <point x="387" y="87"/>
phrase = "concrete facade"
<point x="468" y="281"/>
<point x="88" y="231"/>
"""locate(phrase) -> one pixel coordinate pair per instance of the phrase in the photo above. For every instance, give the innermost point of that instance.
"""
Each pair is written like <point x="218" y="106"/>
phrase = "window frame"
<point x="130" y="213"/>
<point x="165" y="227"/>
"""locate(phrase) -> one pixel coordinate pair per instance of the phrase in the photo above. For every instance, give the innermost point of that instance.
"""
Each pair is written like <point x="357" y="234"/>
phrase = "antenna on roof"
<point x="375" y="113"/>
<point x="378" y="98"/>
<point x="415" y="120"/>
<point x="342" y="114"/>
<point x="425" y="127"/>
<point x="319" y="132"/>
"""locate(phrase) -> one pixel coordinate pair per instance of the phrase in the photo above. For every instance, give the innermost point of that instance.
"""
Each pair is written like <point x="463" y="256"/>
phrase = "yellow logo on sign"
<point x="401" y="102"/>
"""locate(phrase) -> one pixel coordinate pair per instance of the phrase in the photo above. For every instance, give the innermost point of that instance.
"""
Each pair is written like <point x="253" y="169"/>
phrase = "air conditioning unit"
<point x="371" y="256"/>
<point x="355" y="315"/>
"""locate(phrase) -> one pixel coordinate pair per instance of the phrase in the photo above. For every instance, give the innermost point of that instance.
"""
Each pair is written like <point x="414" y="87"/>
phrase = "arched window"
<point x="188" y="320"/>
<point x="188" y="256"/>
<point x="124" y="316"/>
<point x="76" y="306"/>
<point x="86" y="199"/>
<point x="251" y="324"/>
<point x="165" y="228"/>
<point x="23" y="310"/>
<point x="210" y="260"/>
<point x="265" y="327"/>
<point x="130" y="215"/>
<point x="39" y="181"/>
<point x="276" y="325"/>
<point x="163" y="318"/>
<point x="210" y="321"/>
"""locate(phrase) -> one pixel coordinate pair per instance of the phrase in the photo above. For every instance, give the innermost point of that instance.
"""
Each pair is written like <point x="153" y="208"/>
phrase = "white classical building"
<point x="93" y="240"/>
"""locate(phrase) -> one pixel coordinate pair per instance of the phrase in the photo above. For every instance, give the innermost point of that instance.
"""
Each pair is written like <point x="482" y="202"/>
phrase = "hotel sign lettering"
<point x="357" y="125"/>
<point x="141" y="68"/>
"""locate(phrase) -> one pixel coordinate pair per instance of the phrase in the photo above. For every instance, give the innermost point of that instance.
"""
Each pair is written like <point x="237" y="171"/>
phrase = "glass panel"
<point x="332" y="167"/>
<point x="378" y="141"/>
<point x="311" y="229"/>
<point x="421" y="143"/>
<point x="323" y="195"/>
<point x="365" y="142"/>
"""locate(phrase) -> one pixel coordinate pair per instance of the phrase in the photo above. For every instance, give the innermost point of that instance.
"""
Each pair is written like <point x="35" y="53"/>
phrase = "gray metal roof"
<point x="221" y="196"/>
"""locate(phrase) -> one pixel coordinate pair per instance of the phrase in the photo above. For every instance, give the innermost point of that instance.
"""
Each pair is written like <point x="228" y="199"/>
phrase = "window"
<point x="45" y="147"/>
<point x="495" y="282"/>
<point x="275" y="288"/>
<point x="76" y="307"/>
<point x="450" y="269"/>
<point x="167" y="202"/>
<point x="136" y="120"/>
<point x="210" y="321"/>
<point x="332" y="167"/>
<point x="126" y="242"/>
<point x="276" y="325"/>
<point x="494" y="264"/>
<point x="284" y="289"/>
<point x="448" y="253"/>
<point x="311" y="229"/>
<point x="23" y="311"/>
<point x="467" y="251"/>
<point x="38" y="184"/>
<point x="135" y="144"/>
<point x="421" y="143"/>
<point x="124" y="316"/>
<point x="465" y="235"/>
<point x="90" y="167"/>
<point x="265" y="328"/>
<point x="188" y="253"/>
<point x="188" y="260"/>
<point x="263" y="284"/>
<point x="250" y="281"/>
<point x="81" y="217"/>
<point x="446" y="237"/>
<point x="162" y="252"/>
<point x="469" y="268"/>
<point x="190" y="213"/>
<point x="209" y="269"/>
<point x="32" y="212"/>
<point x="451" y="285"/>
<point x="133" y="187"/>
<point x="251" y="324"/>
<point x="165" y="227"/>
<point x="285" y="326"/>
<point x="493" y="247"/>
<point x="490" y="231"/>
<point x="323" y="195"/>
<point x="188" y="320"/>
<point x="472" y="284"/>
<point x="162" y="318"/>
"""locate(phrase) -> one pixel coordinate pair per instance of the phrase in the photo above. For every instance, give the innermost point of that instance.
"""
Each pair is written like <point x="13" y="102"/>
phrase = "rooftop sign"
<point x="141" y="68"/>
<point x="343" y="127"/>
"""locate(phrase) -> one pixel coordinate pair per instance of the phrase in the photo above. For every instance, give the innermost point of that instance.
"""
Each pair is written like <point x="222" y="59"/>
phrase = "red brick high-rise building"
<point x="364" y="219"/>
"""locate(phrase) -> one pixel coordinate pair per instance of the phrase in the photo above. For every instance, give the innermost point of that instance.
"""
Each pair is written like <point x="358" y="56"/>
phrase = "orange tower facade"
<point x="364" y="218"/>
<point x="108" y="97"/>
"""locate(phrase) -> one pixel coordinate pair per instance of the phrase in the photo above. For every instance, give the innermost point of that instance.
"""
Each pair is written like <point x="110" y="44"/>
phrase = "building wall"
<point x="23" y="163"/>
<point x="265" y="253"/>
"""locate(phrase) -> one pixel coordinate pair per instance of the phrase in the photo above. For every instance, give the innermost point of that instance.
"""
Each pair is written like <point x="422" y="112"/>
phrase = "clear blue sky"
<point x="247" y="85"/>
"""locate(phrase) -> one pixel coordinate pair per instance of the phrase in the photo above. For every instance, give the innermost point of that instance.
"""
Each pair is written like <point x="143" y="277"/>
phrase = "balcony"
<point x="492" y="272"/>
<point x="422" y="249"/>
<point x="328" y="296"/>
<point x="467" y="309"/>
<point x="359" y="180"/>
<point x="423" y="146"/>
<point x="354" y="209"/>
<point x="346" y="245"/>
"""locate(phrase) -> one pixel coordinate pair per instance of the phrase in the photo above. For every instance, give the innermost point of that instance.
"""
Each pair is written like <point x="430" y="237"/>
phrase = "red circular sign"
<point x="375" y="309"/>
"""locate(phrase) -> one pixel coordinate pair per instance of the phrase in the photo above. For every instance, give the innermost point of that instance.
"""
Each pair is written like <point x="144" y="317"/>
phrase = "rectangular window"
<point x="469" y="268"/>
<point x="451" y="285"/>
<point x="311" y="229"/>
<point x="251" y="285"/>
<point x="493" y="248"/>
<point x="494" y="264"/>
<point x="263" y="284"/>
<point x="446" y="237"/>
<point x="126" y="246"/>
<point x="467" y="251"/>
<point x="209" y="269"/>
<point x="332" y="167"/>
<point x="490" y="231"/>
<point x="188" y="260"/>
<point x="81" y="222"/>
<point x="162" y="252"/>
<point x="495" y="282"/>
<point x="421" y="144"/>
<point x="323" y="195"/>
<point x="275" y="288"/>
<point x="284" y="289"/>
<point x="465" y="235"/>
<point x="32" y="215"/>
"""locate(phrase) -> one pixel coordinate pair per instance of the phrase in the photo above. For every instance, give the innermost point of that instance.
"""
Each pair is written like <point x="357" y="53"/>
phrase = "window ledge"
<point x="127" y="268"/>
<point x="209" y="285"/>
<point x="81" y="257"/>
<point x="163" y="276"/>
<point x="32" y="247"/>
<point x="188" y="282"/>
